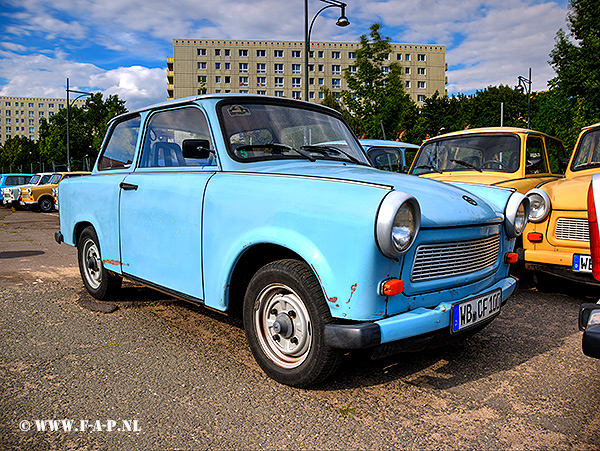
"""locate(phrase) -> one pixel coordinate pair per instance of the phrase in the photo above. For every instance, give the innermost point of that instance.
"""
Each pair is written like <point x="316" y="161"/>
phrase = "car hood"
<point x="569" y="193"/>
<point x="442" y="204"/>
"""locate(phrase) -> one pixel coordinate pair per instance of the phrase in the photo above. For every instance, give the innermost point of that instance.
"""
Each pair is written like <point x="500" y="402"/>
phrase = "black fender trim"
<point x="352" y="336"/>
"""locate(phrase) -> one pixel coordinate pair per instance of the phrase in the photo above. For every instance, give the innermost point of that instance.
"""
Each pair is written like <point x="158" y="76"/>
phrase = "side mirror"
<point x="589" y="322"/>
<point x="563" y="163"/>
<point x="196" y="148"/>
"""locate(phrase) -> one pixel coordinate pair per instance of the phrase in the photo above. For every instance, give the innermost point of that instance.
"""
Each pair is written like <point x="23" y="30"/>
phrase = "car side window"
<point x="535" y="157"/>
<point x="177" y="138"/>
<point x="120" y="146"/>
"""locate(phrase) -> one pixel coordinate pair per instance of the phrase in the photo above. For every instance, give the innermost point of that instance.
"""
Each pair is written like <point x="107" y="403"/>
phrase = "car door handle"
<point x="128" y="186"/>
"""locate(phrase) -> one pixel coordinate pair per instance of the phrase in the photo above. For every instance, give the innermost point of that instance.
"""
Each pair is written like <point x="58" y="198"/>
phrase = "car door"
<point x="161" y="203"/>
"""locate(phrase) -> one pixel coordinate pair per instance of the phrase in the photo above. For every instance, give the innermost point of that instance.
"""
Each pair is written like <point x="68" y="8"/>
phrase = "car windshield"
<point x="588" y="151"/>
<point x="499" y="153"/>
<point x="257" y="131"/>
<point x="54" y="179"/>
<point x="34" y="180"/>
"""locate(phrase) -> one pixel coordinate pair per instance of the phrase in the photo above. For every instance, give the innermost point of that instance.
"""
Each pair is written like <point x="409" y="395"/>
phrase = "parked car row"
<point x="36" y="192"/>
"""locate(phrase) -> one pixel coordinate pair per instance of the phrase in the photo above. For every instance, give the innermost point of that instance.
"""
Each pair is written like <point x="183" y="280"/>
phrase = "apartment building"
<point x="22" y="116"/>
<point x="277" y="68"/>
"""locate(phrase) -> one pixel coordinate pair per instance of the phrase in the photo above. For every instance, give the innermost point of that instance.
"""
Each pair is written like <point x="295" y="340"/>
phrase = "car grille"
<point x="436" y="261"/>
<point x="572" y="229"/>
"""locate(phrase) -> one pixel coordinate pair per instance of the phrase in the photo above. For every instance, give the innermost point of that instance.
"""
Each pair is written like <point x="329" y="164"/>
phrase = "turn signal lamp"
<point x="511" y="257"/>
<point x="391" y="287"/>
<point x="535" y="237"/>
<point x="594" y="234"/>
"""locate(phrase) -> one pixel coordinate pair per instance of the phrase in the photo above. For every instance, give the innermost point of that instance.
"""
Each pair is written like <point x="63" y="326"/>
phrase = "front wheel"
<point x="284" y="318"/>
<point x="46" y="205"/>
<point x="100" y="283"/>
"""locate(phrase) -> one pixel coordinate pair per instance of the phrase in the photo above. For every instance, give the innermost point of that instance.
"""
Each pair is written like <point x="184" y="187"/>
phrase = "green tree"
<point x="375" y="97"/>
<point x="575" y="59"/>
<point x="87" y="127"/>
<point x="18" y="151"/>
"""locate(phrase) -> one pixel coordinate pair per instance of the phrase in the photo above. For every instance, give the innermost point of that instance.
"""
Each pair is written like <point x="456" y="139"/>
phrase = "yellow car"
<point x="500" y="156"/>
<point x="40" y="197"/>
<point x="556" y="241"/>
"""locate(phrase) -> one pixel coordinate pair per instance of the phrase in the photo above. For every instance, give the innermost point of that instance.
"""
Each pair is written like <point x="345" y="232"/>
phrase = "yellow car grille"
<point x="435" y="261"/>
<point x="572" y="229"/>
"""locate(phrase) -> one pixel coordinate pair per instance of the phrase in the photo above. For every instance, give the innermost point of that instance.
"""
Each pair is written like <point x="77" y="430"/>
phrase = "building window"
<point x="217" y="66"/>
<point x="399" y="56"/>
<point x="421" y="84"/>
<point x="296" y="82"/>
<point x="421" y="57"/>
<point x="202" y="66"/>
<point x="227" y="79"/>
<point x="353" y="70"/>
<point x="261" y="68"/>
<point x="41" y="105"/>
<point x="261" y="93"/>
<point x="311" y="95"/>
<point x="336" y="69"/>
<point x="227" y="52"/>
<point x="279" y="68"/>
<point x="311" y="81"/>
<point x="50" y="105"/>
<point x="295" y="53"/>
<point x="31" y="105"/>
<point x="320" y="54"/>
<point x="321" y="67"/>
<point x="321" y="95"/>
<point x="41" y="114"/>
<point x="243" y="52"/>
<point x="321" y="81"/>
<point x="201" y="52"/>
<point x="407" y="85"/>
<point x="31" y="122"/>
<point x="243" y="68"/>
<point x="311" y="54"/>
<point x="261" y="81"/>
<point x="278" y="53"/>
<point x="336" y="83"/>
<point x="8" y="121"/>
<point x="218" y="79"/>
<point x="277" y="94"/>
<point x="227" y="66"/>
<point x="296" y="69"/>
<point x="261" y="53"/>
<point x="407" y="57"/>
<point x="279" y="82"/>
<point x="421" y="71"/>
<point x="243" y="91"/>
<point x="407" y="70"/>
<point x="386" y="70"/>
<point x="244" y="81"/>
<point x="311" y="67"/>
<point x="201" y="78"/>
<point x="352" y="55"/>
<point x="335" y="55"/>
<point x="7" y="104"/>
<point x="296" y="95"/>
<point x="217" y="52"/>
<point x="31" y="130"/>
<point x="421" y="98"/>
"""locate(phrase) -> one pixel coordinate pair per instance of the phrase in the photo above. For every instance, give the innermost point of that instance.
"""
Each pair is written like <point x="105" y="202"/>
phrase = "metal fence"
<point x="31" y="168"/>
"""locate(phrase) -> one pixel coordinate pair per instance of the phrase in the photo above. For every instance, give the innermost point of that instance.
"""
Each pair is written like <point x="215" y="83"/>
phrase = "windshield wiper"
<point x="324" y="149"/>
<point x="276" y="146"/>
<point x="590" y="164"/>
<point x="468" y="165"/>
<point x="428" y="166"/>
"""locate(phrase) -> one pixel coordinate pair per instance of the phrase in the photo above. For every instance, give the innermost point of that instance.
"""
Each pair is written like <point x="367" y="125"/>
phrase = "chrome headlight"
<point x="540" y="205"/>
<point x="397" y="224"/>
<point x="516" y="214"/>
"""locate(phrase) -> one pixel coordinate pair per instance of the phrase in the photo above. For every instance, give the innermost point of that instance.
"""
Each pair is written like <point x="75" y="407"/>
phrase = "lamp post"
<point x="525" y="85"/>
<point x="81" y="94"/>
<point x="341" y="22"/>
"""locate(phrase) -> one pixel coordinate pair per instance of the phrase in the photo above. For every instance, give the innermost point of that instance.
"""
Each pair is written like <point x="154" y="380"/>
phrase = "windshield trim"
<point x="587" y="166"/>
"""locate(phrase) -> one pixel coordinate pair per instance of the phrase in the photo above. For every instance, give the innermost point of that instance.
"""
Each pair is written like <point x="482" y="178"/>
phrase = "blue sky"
<point x="120" y="46"/>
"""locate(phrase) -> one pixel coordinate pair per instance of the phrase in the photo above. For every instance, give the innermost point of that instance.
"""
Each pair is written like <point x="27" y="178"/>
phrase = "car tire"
<point x="98" y="281"/>
<point x="46" y="204"/>
<point x="284" y="316"/>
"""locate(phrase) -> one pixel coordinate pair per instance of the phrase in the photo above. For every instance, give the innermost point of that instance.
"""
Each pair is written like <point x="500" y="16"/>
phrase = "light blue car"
<point x="234" y="202"/>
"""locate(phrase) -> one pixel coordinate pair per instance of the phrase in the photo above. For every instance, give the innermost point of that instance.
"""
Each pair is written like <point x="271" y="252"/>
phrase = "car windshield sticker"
<point x="238" y="110"/>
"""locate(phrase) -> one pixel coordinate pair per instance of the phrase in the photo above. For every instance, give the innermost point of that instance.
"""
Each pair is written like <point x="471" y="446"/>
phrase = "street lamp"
<point x="525" y="85"/>
<point x="81" y="94"/>
<point x="341" y="22"/>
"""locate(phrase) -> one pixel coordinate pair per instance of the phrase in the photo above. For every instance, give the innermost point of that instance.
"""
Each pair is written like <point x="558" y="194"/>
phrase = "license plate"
<point x="474" y="311"/>
<point x="582" y="263"/>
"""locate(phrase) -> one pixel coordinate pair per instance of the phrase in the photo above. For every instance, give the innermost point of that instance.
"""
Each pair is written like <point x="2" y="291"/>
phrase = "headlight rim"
<point x="544" y="195"/>
<point x="384" y="221"/>
<point x="511" y="211"/>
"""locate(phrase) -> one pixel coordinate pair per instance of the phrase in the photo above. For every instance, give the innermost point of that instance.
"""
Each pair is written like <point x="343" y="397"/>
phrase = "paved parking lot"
<point x="171" y="375"/>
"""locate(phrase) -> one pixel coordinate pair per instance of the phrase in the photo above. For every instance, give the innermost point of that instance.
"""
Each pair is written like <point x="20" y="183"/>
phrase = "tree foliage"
<point x="18" y="151"/>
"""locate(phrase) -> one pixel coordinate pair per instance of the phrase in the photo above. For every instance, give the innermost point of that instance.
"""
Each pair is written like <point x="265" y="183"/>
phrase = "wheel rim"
<point x="283" y="326"/>
<point x="92" y="266"/>
<point x="46" y="205"/>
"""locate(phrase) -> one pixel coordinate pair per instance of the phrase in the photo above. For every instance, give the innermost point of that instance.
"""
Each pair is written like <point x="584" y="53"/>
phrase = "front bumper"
<point x="411" y="325"/>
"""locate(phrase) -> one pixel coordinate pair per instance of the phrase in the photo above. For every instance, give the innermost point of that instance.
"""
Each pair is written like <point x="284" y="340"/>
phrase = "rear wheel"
<point x="284" y="318"/>
<point x="46" y="204"/>
<point x="99" y="282"/>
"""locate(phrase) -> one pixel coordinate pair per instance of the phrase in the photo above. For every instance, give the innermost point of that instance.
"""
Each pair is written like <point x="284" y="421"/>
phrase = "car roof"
<point x="488" y="130"/>
<point x="386" y="143"/>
